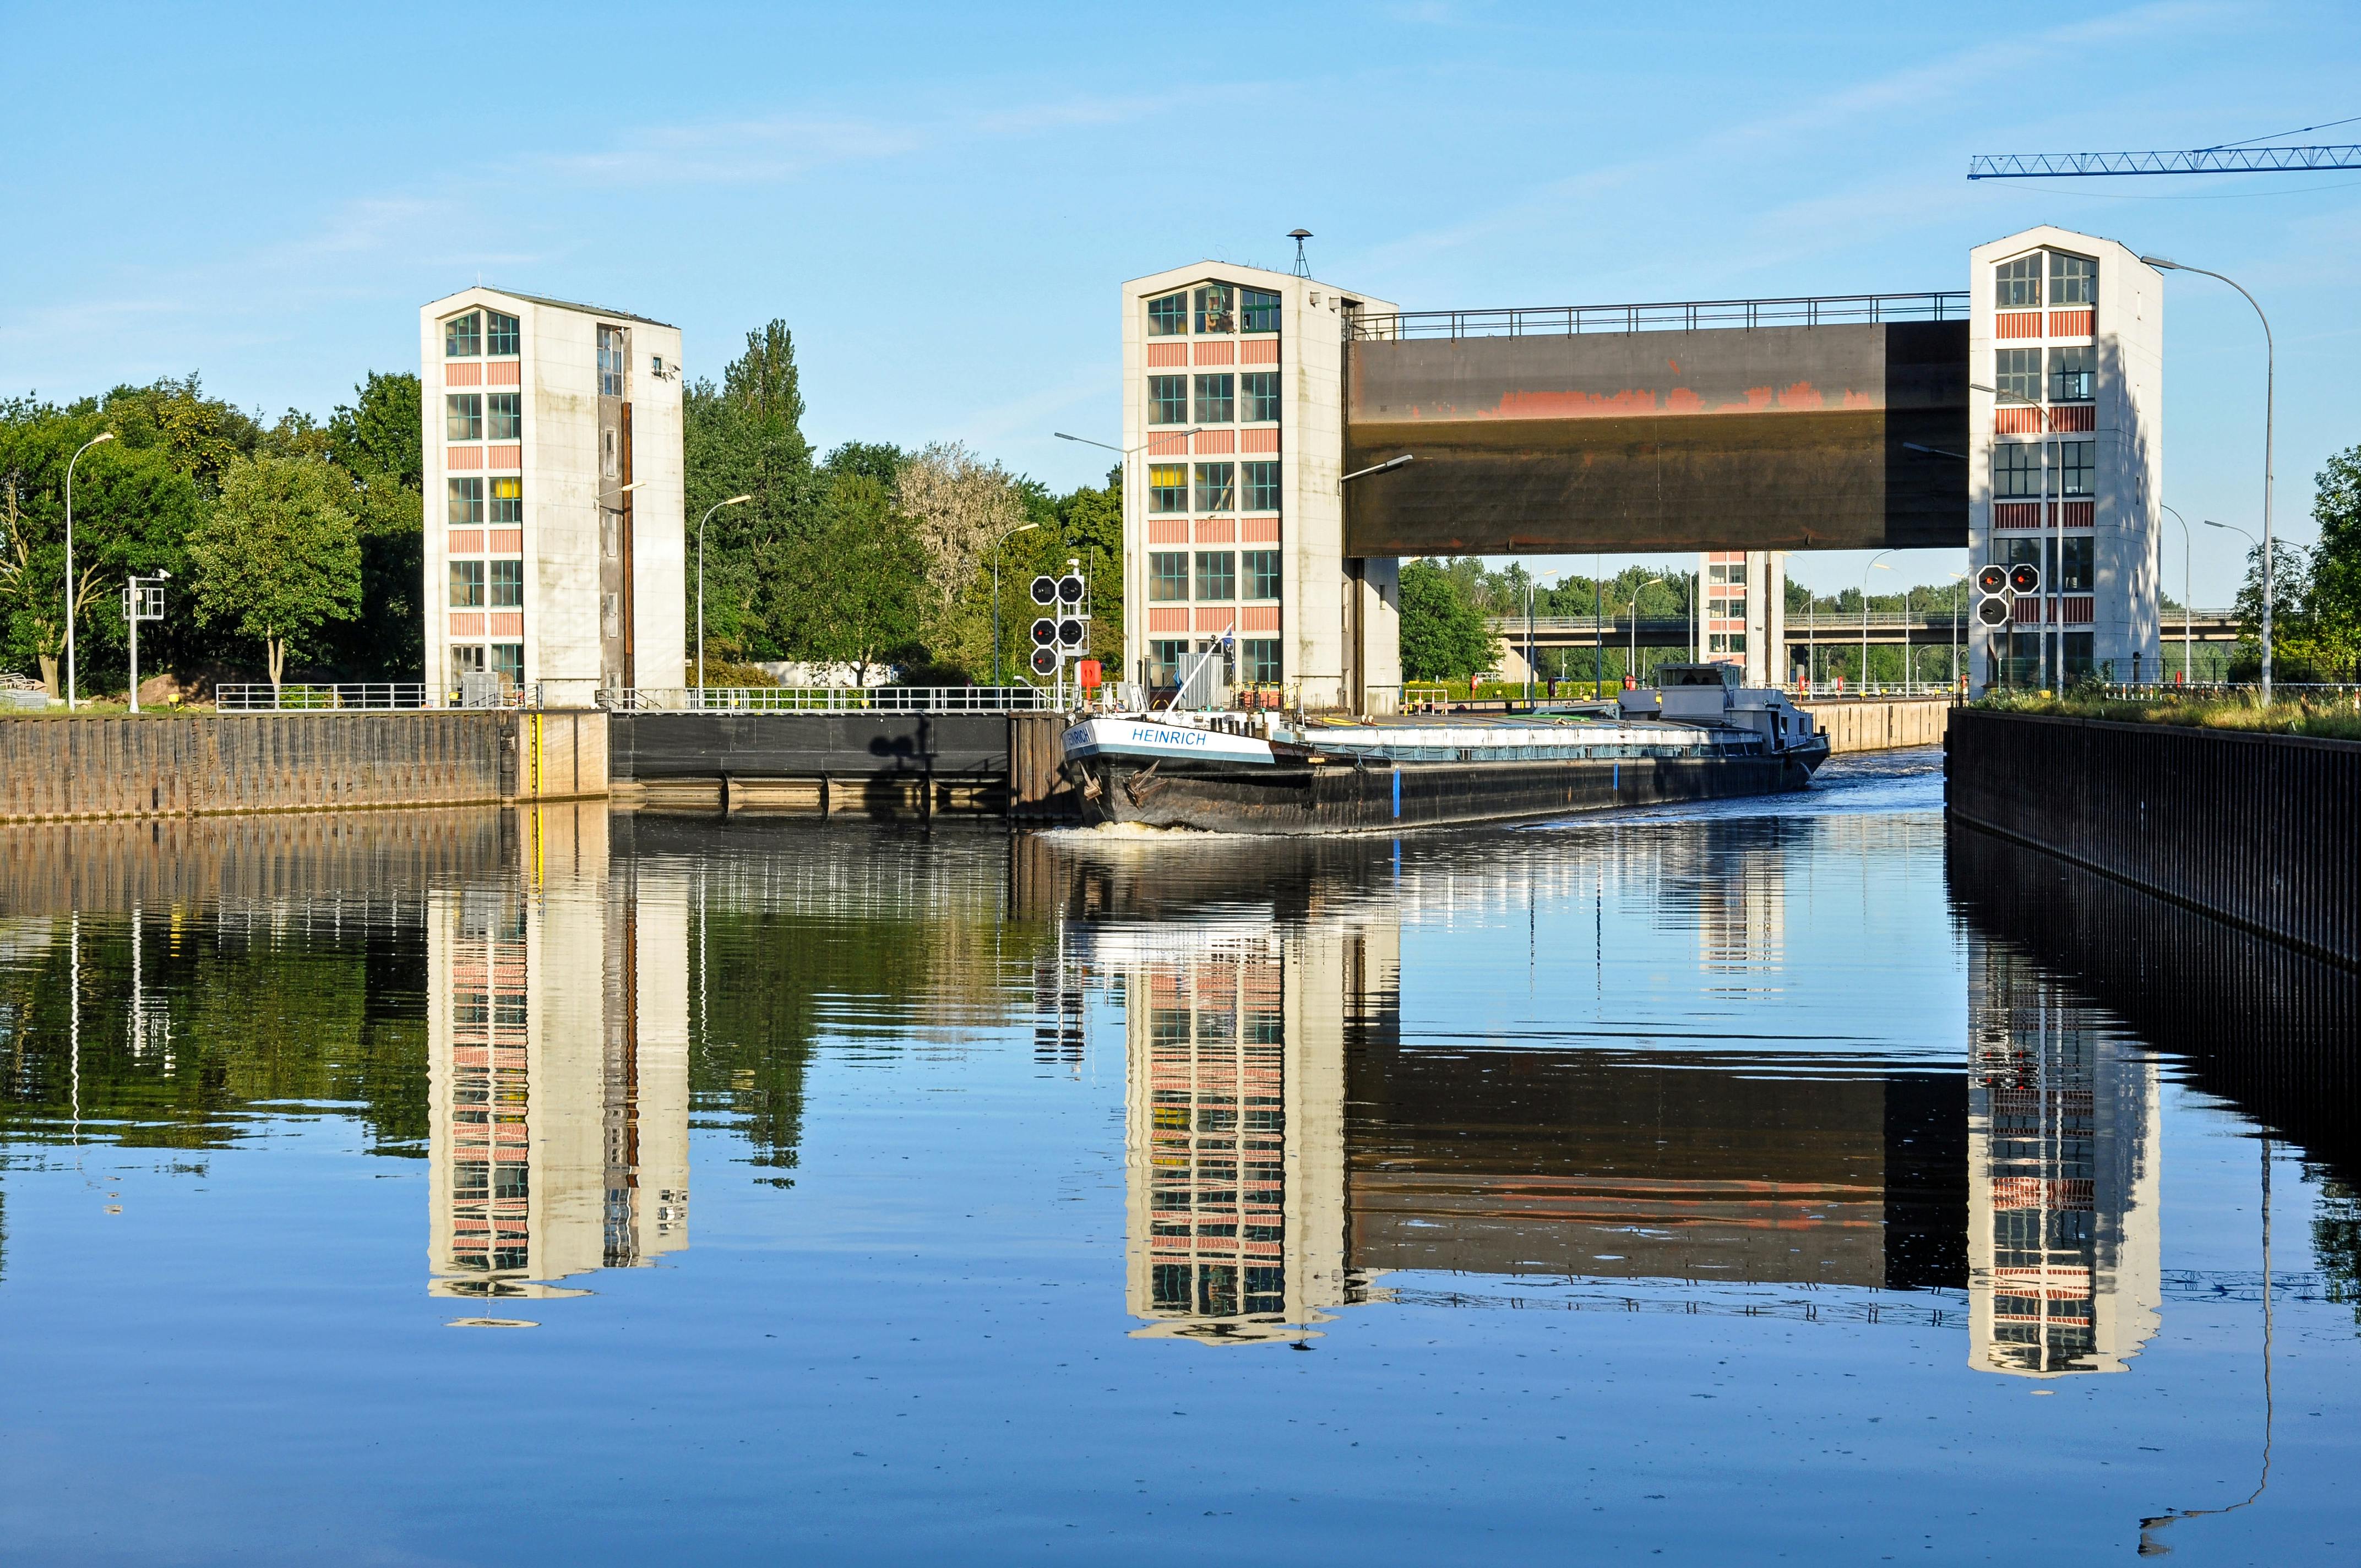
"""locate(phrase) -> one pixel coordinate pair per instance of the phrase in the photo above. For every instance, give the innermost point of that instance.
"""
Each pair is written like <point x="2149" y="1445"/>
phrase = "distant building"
<point x="1236" y="532"/>
<point x="2066" y="452"/>
<point x="553" y="494"/>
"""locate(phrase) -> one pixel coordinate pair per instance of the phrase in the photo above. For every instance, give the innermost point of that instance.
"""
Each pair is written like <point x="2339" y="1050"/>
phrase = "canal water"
<point x="1768" y="1180"/>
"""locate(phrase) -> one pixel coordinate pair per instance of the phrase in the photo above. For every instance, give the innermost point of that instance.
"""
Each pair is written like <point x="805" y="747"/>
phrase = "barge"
<point x="1697" y="735"/>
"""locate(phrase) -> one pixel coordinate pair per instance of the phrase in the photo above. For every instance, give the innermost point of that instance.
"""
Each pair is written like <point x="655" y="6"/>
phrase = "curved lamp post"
<point x="1020" y="528"/>
<point x="102" y="435"/>
<point x="732" y="501"/>
<point x="1873" y="561"/>
<point x="2185" y="600"/>
<point x="1632" y="670"/>
<point x="2271" y="393"/>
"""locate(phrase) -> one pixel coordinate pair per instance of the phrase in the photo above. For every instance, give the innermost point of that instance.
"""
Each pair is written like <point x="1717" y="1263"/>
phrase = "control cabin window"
<point x="2017" y="284"/>
<point x="508" y="585"/>
<point x="463" y="336"/>
<point x="467" y="658"/>
<point x="464" y="502"/>
<point x="466" y="584"/>
<point x="2017" y="470"/>
<point x="1164" y="660"/>
<point x="613" y="360"/>
<point x="1168" y="575"/>
<point x="501" y="334"/>
<point x="2073" y="279"/>
<point x="508" y="663"/>
<point x="506" y="410"/>
<point x="1262" y="571"/>
<point x="2072" y="373"/>
<point x="2016" y="374"/>
<point x="463" y="416"/>
<point x="508" y="501"/>
<point x="1262" y="486"/>
<point x="1217" y="575"/>
<point x="1261" y="311"/>
<point x="1168" y="486"/>
<point x="1216" y="487"/>
<point x="1217" y="308"/>
<point x="1168" y="400"/>
<point x="1167" y="316"/>
<point x="2077" y="466"/>
<point x="1260" y="655"/>
<point x="1215" y="403"/>
<point x="1260" y="389"/>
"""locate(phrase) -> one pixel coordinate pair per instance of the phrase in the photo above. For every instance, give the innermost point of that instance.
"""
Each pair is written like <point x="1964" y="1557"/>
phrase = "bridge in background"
<point x="1886" y="629"/>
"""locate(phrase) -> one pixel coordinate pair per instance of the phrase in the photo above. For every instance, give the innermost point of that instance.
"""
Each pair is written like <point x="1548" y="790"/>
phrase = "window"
<point x="2073" y="281"/>
<point x="1214" y="403"/>
<point x="502" y="336"/>
<point x="2017" y="470"/>
<point x="1217" y="489"/>
<point x="1168" y="575"/>
<point x="508" y="585"/>
<point x="463" y="416"/>
<point x="2016" y="552"/>
<point x="1216" y="308"/>
<point x="507" y="411"/>
<point x="508" y="501"/>
<point x="2077" y="464"/>
<point x="1168" y="400"/>
<point x="1262" y="486"/>
<point x="1217" y="575"/>
<point x="508" y="663"/>
<point x="1262" y="311"/>
<point x="2072" y="372"/>
<point x="2077" y="572"/>
<point x="610" y="452"/>
<point x="1168" y="486"/>
<point x="466" y="584"/>
<point x="465" y="504"/>
<point x="463" y="336"/>
<point x="1738" y="574"/>
<point x="467" y="658"/>
<point x="1261" y="657"/>
<point x="1262" y="574"/>
<point x="1164" y="670"/>
<point x="1167" y="316"/>
<point x="2016" y="374"/>
<point x="1261" y="388"/>
<point x="2017" y="284"/>
<point x="613" y="361"/>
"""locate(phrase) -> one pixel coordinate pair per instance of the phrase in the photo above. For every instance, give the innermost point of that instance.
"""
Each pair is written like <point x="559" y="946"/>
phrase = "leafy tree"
<point x="746" y="437"/>
<point x="2331" y="599"/>
<point x="279" y="555"/>
<point x="380" y="431"/>
<point x="201" y="436"/>
<point x="878" y="460"/>
<point x="1443" y="636"/>
<point x="957" y="504"/>
<point x="851" y="595"/>
<point x="376" y="439"/>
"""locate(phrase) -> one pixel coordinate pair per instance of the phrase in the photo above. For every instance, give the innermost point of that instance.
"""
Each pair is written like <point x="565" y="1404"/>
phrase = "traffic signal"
<point x="1072" y="633"/>
<point x="2024" y="577"/>
<point x="1070" y="588"/>
<point x="1992" y="579"/>
<point x="1993" y="610"/>
<point x="1045" y="590"/>
<point x="1045" y="660"/>
<point x="1045" y="631"/>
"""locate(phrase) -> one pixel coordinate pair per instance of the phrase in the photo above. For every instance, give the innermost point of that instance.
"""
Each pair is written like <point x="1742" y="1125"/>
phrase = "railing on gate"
<point x="1690" y="316"/>
<point x="261" y="697"/>
<point x="828" y="699"/>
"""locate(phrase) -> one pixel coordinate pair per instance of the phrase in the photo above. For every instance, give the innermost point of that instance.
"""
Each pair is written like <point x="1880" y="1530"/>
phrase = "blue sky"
<point x="941" y="199"/>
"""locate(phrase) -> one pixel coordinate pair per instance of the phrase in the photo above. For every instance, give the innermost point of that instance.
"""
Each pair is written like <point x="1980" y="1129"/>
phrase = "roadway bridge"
<point x="1885" y="628"/>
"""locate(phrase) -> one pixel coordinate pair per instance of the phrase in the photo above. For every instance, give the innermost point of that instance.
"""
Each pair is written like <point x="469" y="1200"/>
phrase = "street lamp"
<point x="2185" y="601"/>
<point x="1873" y="561"/>
<point x="102" y="435"/>
<point x="1632" y="670"/>
<point x="2270" y="394"/>
<point x="2257" y="543"/>
<point x="732" y="501"/>
<point x="1020" y="528"/>
<point x="1956" y="606"/>
<point x="1551" y="578"/>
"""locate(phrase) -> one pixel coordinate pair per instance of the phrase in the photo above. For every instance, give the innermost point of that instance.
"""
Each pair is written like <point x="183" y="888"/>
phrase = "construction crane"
<point x="2230" y="158"/>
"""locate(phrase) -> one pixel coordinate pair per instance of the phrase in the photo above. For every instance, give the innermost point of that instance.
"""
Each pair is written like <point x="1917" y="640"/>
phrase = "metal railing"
<point x="262" y="698"/>
<point x="828" y="699"/>
<point x="1690" y="316"/>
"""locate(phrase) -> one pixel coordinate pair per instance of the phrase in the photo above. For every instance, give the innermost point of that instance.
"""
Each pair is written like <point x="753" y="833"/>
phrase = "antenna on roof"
<point x="1302" y="267"/>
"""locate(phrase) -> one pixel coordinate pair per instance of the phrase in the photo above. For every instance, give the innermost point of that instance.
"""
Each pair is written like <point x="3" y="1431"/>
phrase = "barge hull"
<point x="1341" y="798"/>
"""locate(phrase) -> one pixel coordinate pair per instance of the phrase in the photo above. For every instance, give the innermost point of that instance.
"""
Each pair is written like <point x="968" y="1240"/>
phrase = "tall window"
<point x="1260" y="656"/>
<point x="502" y="336"/>
<point x="1168" y="486"/>
<point x="508" y="585"/>
<point x="463" y="504"/>
<point x="2077" y="462"/>
<point x="466" y="584"/>
<point x="2017" y="284"/>
<point x="1167" y="316"/>
<point x="1261" y="390"/>
<point x="2017" y="470"/>
<point x="1217" y="308"/>
<point x="463" y="336"/>
<point x="1215" y="402"/>
<point x="463" y="416"/>
<point x="612" y="360"/>
<point x="466" y="657"/>
<point x="1262" y="574"/>
<point x="1262" y="486"/>
<point x="2073" y="374"/>
<point x="1164" y="660"/>
<point x="2076" y="572"/>
<point x="2016" y="374"/>
<point x="1261" y="311"/>
<point x="2073" y="279"/>
<point x="508" y="501"/>
<point x="1168" y="575"/>
<point x="508" y="663"/>
<point x="1168" y="400"/>
<point x="1217" y="575"/>
<point x="507" y="411"/>
<point x="1216" y="487"/>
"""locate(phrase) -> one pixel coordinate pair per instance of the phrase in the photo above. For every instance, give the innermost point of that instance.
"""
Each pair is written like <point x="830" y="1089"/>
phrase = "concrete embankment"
<point x="80" y="769"/>
<point x="1876" y="726"/>
<point x="2261" y="830"/>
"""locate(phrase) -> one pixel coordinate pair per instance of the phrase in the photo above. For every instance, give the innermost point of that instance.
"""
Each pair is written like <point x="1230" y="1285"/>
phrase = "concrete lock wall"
<point x="2257" y="829"/>
<point x="1881" y="726"/>
<point x="70" y="769"/>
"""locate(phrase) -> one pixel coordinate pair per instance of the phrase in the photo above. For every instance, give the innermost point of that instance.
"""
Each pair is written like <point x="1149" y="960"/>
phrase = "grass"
<point x="2321" y="717"/>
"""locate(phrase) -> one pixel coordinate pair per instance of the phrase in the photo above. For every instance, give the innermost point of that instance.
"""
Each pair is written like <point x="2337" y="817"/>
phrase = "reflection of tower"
<point x="2063" y="1230"/>
<point x="557" y="1070"/>
<point x="1234" y="1106"/>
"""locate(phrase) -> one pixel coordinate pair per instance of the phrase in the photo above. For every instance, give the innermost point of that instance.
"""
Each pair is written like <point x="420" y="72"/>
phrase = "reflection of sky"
<point x="913" y="1339"/>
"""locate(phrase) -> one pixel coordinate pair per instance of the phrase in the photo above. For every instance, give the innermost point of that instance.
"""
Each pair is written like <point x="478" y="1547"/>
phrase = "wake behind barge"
<point x="1698" y="736"/>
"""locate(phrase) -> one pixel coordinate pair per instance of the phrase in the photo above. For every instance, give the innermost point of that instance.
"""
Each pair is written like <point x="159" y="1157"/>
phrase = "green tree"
<point x="2331" y="600"/>
<point x="279" y="555"/>
<point x="379" y="432"/>
<point x="852" y="593"/>
<point x="376" y="439"/>
<point x="957" y="504"/>
<point x="1443" y="636"/>
<point x="746" y="437"/>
